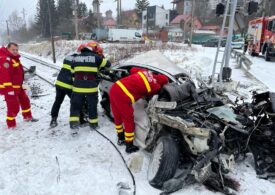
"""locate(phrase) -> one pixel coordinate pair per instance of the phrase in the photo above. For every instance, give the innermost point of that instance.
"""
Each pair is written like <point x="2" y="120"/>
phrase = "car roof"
<point x="170" y="74"/>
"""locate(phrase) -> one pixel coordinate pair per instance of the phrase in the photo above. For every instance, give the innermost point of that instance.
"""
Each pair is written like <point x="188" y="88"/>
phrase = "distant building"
<point x="96" y="6"/>
<point x="158" y="17"/>
<point x="183" y="6"/>
<point x="108" y="21"/>
<point x="184" y="22"/>
<point x="130" y="19"/>
<point x="178" y="5"/>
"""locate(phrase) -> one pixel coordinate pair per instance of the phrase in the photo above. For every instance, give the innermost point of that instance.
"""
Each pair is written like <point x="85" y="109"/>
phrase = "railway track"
<point x="47" y="64"/>
<point x="44" y="70"/>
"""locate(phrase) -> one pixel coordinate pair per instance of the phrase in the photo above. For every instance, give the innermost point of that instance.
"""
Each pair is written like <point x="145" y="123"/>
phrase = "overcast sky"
<point x="8" y="6"/>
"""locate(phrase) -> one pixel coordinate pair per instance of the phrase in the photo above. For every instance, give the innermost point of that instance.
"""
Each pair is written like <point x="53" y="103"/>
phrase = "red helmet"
<point x="92" y="46"/>
<point x="99" y="51"/>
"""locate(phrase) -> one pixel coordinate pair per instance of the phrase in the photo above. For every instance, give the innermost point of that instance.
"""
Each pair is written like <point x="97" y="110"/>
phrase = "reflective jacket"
<point x="12" y="72"/>
<point x="65" y="76"/>
<point x="140" y="83"/>
<point x="85" y="68"/>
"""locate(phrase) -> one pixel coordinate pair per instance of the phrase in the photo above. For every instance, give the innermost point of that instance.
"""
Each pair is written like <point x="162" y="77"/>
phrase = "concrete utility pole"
<point x="51" y="31"/>
<point x="8" y="31"/>
<point x="147" y="21"/>
<point x="229" y="37"/>
<point x="24" y="17"/>
<point x="118" y="13"/>
<point x="192" y="23"/>
<point x="266" y="8"/>
<point x="76" y="19"/>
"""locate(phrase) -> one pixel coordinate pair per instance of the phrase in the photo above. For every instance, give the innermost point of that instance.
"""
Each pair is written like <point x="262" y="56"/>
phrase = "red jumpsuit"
<point x="11" y="80"/>
<point x="125" y="92"/>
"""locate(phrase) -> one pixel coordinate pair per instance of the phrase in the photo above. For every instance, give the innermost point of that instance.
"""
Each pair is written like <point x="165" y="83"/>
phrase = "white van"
<point x="125" y="35"/>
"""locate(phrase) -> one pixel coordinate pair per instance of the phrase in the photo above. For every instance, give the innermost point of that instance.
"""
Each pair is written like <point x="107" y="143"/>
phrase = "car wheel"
<point x="266" y="56"/>
<point x="164" y="162"/>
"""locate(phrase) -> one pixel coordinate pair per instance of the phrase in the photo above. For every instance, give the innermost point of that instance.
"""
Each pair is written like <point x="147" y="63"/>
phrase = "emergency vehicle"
<point x="261" y="33"/>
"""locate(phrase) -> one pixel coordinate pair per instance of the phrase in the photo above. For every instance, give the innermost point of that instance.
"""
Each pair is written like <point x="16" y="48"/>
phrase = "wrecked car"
<point x="195" y="135"/>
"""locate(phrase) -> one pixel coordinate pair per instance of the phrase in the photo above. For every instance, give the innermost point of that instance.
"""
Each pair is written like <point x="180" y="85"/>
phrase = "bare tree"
<point x="15" y="21"/>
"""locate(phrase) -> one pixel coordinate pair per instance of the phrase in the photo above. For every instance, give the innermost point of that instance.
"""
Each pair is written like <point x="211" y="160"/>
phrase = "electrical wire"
<point x="124" y="161"/>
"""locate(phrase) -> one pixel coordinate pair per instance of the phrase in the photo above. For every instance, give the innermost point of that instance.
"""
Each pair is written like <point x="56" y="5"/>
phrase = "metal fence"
<point x="242" y="60"/>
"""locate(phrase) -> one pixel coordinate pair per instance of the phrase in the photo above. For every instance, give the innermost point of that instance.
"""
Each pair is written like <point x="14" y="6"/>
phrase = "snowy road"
<point x="37" y="160"/>
<point x="263" y="70"/>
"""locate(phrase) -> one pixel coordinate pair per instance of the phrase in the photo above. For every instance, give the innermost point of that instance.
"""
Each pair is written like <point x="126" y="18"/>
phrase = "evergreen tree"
<point x="82" y="10"/>
<point x="42" y="17"/>
<point x="90" y="22"/>
<point x="142" y="5"/>
<point x="65" y="9"/>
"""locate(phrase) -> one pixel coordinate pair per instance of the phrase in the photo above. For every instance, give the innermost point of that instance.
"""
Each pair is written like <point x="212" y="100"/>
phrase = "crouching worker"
<point x="11" y="81"/>
<point x="85" y="85"/>
<point x="125" y="92"/>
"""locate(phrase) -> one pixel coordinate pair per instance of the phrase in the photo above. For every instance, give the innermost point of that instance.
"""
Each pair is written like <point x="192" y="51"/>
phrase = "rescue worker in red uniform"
<point x="125" y="92"/>
<point x="11" y="81"/>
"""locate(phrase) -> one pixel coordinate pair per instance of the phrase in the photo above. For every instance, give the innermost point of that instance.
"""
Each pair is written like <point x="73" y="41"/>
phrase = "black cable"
<point x="124" y="161"/>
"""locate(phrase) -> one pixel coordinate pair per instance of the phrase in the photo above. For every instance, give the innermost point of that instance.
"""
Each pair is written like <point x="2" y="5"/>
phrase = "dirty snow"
<point x="37" y="160"/>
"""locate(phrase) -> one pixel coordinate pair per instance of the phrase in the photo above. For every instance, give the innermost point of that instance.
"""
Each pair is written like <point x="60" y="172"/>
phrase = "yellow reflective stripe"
<point x="85" y="69"/>
<point x="148" y="87"/>
<point x="93" y="120"/>
<point x="67" y="66"/>
<point x="65" y="85"/>
<point x="119" y="130"/>
<point x="10" y="118"/>
<point x="129" y="138"/>
<point x="129" y="134"/>
<point x="74" y="119"/>
<point x="118" y="126"/>
<point x="28" y="110"/>
<point x="125" y="90"/>
<point x="103" y="63"/>
<point x="16" y="86"/>
<point x="2" y="86"/>
<point x="7" y="84"/>
<point x="85" y="90"/>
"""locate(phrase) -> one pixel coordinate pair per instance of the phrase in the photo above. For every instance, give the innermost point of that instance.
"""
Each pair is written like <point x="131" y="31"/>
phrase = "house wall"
<point x="162" y="17"/>
<point x="187" y="7"/>
<point x="157" y="17"/>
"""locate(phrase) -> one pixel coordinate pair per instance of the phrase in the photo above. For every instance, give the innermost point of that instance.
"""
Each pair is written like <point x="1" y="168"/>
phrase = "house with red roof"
<point x="184" y="22"/>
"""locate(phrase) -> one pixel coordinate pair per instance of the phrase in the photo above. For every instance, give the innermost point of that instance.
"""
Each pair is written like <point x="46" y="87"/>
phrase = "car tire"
<point x="164" y="162"/>
<point x="266" y="56"/>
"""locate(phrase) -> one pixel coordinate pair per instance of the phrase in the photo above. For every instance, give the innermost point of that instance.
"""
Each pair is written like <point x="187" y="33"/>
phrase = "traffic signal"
<point x="252" y="7"/>
<point x="220" y="9"/>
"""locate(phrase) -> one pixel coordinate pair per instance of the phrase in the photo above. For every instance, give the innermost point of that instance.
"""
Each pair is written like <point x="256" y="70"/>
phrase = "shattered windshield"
<point x="225" y="113"/>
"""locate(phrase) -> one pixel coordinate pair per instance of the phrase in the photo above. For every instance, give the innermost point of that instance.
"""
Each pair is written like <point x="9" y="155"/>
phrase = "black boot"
<point x="83" y="123"/>
<point x="74" y="129"/>
<point x="121" y="139"/>
<point x="130" y="147"/>
<point x="53" y="123"/>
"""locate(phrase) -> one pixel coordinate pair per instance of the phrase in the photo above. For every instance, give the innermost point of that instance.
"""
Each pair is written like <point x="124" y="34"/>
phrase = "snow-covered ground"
<point x="39" y="160"/>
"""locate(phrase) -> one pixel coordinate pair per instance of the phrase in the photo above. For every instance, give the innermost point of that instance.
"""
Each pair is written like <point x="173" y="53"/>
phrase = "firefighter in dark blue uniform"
<point x="64" y="85"/>
<point x="85" y="68"/>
